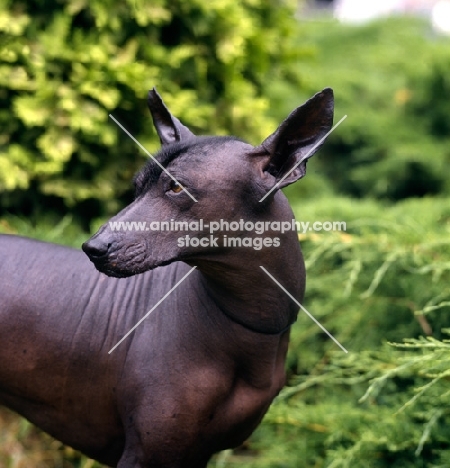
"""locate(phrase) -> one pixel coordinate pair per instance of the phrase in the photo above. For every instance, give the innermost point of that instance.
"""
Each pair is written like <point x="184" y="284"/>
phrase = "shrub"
<point x="395" y="141"/>
<point x="65" y="66"/>
<point x="383" y="280"/>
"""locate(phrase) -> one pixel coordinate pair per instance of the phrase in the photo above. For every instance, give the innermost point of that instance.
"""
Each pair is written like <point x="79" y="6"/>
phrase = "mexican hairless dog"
<point x="201" y="370"/>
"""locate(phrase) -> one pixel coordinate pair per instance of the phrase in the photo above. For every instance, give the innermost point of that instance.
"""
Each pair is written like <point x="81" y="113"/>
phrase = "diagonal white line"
<point x="304" y="310"/>
<point x="151" y="156"/>
<point x="304" y="157"/>
<point x="153" y="308"/>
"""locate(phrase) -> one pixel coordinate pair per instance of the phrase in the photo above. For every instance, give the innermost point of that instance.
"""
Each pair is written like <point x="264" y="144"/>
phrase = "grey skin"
<point x="200" y="372"/>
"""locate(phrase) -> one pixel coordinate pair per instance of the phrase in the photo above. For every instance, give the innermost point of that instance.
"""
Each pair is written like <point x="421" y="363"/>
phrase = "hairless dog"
<point x="198" y="373"/>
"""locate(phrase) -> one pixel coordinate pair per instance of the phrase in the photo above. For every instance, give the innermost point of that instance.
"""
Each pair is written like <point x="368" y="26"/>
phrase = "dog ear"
<point x="296" y="140"/>
<point x="168" y="127"/>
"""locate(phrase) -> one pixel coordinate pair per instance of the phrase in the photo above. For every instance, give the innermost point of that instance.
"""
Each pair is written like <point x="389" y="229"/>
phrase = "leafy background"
<point x="225" y="67"/>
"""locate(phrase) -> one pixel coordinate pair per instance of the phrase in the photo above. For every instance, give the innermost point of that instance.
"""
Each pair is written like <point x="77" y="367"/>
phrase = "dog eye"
<point x="175" y="187"/>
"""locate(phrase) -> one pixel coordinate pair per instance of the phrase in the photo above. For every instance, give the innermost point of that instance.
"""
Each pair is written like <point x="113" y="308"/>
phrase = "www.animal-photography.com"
<point x="224" y="233"/>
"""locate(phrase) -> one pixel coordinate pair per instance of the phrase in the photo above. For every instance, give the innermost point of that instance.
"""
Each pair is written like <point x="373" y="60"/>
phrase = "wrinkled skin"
<point x="199" y="372"/>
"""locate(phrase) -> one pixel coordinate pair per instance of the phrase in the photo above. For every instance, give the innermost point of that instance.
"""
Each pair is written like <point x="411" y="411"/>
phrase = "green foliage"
<point x="391" y="78"/>
<point x="381" y="264"/>
<point x="64" y="66"/>
<point x="384" y="279"/>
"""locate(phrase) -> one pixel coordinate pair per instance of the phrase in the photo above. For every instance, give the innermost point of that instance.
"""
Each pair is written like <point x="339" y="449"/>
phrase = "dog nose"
<point x="95" y="247"/>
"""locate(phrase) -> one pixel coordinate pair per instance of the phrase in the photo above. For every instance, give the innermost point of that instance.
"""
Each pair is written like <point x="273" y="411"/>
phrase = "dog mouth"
<point x="134" y="260"/>
<point x="113" y="271"/>
<point x="114" y="258"/>
<point x="118" y="261"/>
